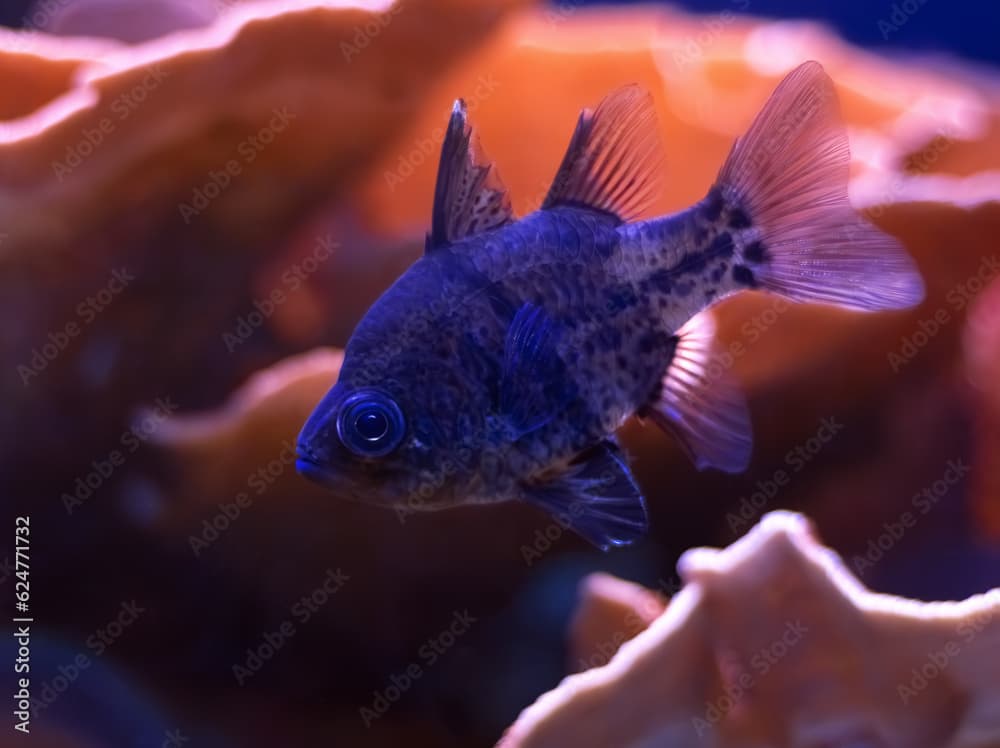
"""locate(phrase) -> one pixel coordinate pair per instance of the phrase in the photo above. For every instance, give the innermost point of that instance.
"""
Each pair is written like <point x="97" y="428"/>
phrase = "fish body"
<point x="499" y="366"/>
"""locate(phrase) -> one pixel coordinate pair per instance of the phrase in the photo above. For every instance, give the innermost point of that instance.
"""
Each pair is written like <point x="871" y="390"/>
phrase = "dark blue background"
<point x="965" y="28"/>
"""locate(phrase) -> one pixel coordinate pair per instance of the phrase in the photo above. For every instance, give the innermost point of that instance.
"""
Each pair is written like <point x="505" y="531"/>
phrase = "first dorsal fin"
<point x="469" y="197"/>
<point x="614" y="162"/>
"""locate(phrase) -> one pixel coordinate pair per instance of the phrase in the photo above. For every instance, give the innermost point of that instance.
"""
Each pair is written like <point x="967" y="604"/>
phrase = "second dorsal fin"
<point x="469" y="197"/>
<point x="614" y="162"/>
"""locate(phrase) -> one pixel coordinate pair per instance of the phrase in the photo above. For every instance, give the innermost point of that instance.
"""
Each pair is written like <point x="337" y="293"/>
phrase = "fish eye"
<point x="370" y="424"/>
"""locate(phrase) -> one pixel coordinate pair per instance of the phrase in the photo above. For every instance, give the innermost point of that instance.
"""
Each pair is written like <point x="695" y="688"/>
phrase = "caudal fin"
<point x="786" y="179"/>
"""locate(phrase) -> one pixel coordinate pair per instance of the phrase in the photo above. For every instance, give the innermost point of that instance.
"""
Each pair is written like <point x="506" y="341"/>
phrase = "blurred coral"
<point x="122" y="19"/>
<point x="773" y="642"/>
<point x="186" y="218"/>
<point x="982" y="360"/>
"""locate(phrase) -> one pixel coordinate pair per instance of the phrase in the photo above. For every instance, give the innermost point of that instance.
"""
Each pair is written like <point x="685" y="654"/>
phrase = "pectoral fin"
<point x="596" y="497"/>
<point x="532" y="389"/>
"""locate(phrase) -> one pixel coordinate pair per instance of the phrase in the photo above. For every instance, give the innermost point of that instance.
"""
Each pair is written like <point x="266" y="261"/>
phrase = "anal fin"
<point x="596" y="497"/>
<point x="701" y="404"/>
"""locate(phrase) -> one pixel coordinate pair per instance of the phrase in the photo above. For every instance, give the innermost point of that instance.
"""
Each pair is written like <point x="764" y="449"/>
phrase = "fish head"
<point x="355" y="444"/>
<point x="407" y="421"/>
<point x="388" y="440"/>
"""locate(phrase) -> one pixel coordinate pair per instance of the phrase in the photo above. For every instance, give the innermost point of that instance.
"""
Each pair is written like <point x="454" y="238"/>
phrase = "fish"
<point x="500" y="365"/>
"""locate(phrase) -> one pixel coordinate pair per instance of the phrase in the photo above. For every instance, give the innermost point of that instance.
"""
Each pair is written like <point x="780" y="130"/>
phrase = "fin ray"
<point x="530" y="360"/>
<point x="787" y="176"/>
<point x="469" y="197"/>
<point x="597" y="497"/>
<point x="614" y="161"/>
<point x="701" y="404"/>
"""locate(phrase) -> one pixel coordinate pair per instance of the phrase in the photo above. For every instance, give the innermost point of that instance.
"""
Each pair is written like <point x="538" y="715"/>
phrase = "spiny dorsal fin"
<point x="614" y="162"/>
<point x="469" y="197"/>
<point x="701" y="404"/>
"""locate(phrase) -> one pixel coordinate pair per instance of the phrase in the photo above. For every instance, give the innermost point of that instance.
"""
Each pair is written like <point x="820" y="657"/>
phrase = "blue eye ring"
<point x="371" y="424"/>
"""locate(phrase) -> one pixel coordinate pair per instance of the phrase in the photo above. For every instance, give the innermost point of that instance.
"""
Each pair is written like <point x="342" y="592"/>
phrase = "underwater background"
<point x="199" y="200"/>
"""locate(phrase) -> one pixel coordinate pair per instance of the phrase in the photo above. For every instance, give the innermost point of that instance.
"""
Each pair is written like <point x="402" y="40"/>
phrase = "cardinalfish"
<point x="500" y="364"/>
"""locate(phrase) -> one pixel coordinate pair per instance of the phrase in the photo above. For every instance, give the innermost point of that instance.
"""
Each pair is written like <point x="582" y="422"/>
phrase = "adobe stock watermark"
<point x="546" y="537"/>
<point x="695" y="46"/>
<point x="762" y="662"/>
<point x="796" y="459"/>
<point x="937" y="661"/>
<point x="899" y="15"/>
<point x="219" y="180"/>
<point x="258" y="482"/>
<point x="131" y="439"/>
<point x="427" y="148"/>
<point x="174" y="738"/>
<point x="957" y="299"/>
<point x="428" y="654"/>
<point x="365" y="33"/>
<point x="121" y="108"/>
<point x="634" y="623"/>
<point x="97" y="644"/>
<point x="301" y="612"/>
<point x="751" y="331"/>
<point x="292" y="279"/>
<point x="919" y="164"/>
<point x="86" y="312"/>
<point x="922" y="502"/>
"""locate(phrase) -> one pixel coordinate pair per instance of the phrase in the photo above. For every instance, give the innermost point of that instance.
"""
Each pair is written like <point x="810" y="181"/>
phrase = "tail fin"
<point x="787" y="178"/>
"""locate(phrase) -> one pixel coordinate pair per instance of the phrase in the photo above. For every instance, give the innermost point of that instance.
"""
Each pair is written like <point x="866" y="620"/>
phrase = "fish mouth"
<point x="316" y="472"/>
<point x="333" y="480"/>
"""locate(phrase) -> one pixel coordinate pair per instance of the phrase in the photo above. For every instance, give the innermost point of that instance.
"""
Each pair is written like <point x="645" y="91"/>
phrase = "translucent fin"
<point x="614" y="162"/>
<point x="787" y="177"/>
<point x="701" y="404"/>
<point x="469" y="197"/>
<point x="596" y="497"/>
<point x="530" y="364"/>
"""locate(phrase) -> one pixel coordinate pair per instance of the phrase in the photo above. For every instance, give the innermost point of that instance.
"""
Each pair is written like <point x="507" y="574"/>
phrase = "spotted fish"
<point x="500" y="364"/>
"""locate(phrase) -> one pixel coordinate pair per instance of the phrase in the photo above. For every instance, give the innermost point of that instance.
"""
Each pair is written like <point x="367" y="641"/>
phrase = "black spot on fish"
<point x="620" y="298"/>
<point x="683" y="288"/>
<point x="712" y="205"/>
<point x="589" y="348"/>
<point x="755" y="252"/>
<point x="621" y="361"/>
<point x="739" y="220"/>
<point x="709" y="294"/>
<point x="648" y="342"/>
<point x="744" y="276"/>
<point x="717" y="274"/>
<point x="721" y="246"/>
<point x="661" y="281"/>
<point x="610" y="338"/>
